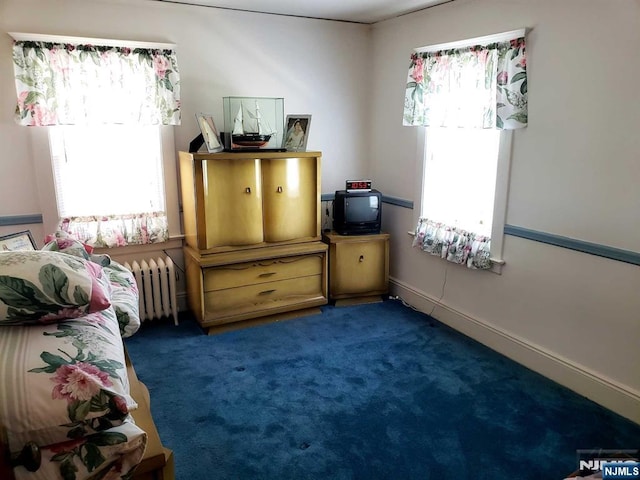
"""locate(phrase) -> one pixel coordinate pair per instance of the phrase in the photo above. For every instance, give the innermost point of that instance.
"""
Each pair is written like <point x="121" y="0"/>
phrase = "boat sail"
<point x="250" y="132"/>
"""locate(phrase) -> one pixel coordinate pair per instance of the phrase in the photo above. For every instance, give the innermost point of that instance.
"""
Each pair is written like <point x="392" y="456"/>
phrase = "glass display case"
<point x="253" y="123"/>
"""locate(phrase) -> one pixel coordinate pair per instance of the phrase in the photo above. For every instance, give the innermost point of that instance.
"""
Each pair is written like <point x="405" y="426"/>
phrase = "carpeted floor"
<point x="376" y="391"/>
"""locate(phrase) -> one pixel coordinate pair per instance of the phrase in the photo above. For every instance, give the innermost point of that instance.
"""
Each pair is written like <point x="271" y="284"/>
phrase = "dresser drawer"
<point x="261" y="271"/>
<point x="262" y="296"/>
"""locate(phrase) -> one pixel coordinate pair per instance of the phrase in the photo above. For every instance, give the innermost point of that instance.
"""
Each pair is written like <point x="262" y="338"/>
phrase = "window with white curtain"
<point x="109" y="182"/>
<point x="105" y="103"/>
<point x="468" y="96"/>
<point x="107" y="170"/>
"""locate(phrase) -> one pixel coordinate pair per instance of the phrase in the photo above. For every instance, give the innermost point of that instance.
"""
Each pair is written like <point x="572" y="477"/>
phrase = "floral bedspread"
<point x="64" y="386"/>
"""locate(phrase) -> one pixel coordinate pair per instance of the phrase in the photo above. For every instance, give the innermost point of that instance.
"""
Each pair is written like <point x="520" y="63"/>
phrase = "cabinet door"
<point x="291" y="207"/>
<point x="233" y="202"/>
<point x="358" y="267"/>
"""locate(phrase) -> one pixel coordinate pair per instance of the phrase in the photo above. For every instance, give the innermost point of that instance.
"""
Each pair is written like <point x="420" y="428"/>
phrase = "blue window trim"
<point x="20" y="220"/>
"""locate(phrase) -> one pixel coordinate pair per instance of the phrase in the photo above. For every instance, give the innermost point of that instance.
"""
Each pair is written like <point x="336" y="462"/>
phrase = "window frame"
<point x="45" y="182"/>
<point x="501" y="193"/>
<point x="504" y="156"/>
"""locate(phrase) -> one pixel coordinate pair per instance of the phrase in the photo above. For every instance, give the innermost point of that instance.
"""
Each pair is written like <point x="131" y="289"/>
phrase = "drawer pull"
<point x="266" y="274"/>
<point x="361" y="259"/>
<point x="247" y="190"/>
<point x="279" y="189"/>
<point x="267" y="292"/>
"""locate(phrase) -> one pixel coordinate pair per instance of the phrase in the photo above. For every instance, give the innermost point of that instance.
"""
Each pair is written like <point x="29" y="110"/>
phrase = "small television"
<point x="357" y="212"/>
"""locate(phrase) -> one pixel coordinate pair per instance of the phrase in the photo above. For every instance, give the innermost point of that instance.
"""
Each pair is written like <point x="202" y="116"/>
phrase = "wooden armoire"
<point x="252" y="225"/>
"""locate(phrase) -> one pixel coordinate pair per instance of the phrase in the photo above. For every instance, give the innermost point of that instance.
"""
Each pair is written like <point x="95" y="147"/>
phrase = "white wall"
<point x="319" y="67"/>
<point x="575" y="172"/>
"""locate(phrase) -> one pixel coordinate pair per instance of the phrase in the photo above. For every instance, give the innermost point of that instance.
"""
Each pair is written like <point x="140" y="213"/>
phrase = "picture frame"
<point x="296" y="132"/>
<point x="17" y="241"/>
<point x="210" y="135"/>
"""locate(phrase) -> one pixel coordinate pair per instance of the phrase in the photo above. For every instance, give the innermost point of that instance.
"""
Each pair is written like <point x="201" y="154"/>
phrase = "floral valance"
<point x="453" y="244"/>
<point x="475" y="87"/>
<point x="71" y="84"/>
<point x="118" y="230"/>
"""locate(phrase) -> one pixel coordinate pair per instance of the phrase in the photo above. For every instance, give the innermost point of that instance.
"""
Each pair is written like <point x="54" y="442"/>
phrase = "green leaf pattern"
<point x="83" y="368"/>
<point x="45" y="286"/>
<point x="438" y="86"/>
<point x="98" y="456"/>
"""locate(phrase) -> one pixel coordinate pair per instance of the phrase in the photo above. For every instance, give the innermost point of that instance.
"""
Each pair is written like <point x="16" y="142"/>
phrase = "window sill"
<point x="496" y="263"/>
<point x="173" y="243"/>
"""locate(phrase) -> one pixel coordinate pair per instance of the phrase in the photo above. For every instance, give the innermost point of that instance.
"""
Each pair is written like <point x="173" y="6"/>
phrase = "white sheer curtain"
<point x="110" y="184"/>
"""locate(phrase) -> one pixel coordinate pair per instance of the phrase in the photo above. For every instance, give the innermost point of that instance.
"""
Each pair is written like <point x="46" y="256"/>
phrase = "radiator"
<point x="156" y="279"/>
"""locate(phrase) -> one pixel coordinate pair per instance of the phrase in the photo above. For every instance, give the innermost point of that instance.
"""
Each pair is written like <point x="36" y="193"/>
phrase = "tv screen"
<point x="357" y="213"/>
<point x="361" y="209"/>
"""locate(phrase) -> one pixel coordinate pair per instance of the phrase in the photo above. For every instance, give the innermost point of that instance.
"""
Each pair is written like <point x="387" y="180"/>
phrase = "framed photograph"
<point x="296" y="132"/>
<point x="209" y="133"/>
<point x="17" y="241"/>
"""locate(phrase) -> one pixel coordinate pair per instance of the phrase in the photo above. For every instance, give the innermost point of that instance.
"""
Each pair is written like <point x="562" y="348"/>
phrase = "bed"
<point x="71" y="406"/>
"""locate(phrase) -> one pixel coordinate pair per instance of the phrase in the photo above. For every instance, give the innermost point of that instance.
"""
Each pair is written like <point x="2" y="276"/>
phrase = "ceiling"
<point x="357" y="11"/>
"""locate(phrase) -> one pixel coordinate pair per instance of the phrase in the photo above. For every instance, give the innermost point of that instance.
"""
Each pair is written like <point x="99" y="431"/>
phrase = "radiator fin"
<point x="156" y="279"/>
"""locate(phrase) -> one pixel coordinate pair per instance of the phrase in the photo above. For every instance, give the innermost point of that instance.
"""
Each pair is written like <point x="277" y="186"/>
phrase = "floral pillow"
<point x="61" y="241"/>
<point x="46" y="287"/>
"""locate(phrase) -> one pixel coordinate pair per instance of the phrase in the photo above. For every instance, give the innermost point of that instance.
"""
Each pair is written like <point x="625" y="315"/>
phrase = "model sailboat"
<point x="250" y="132"/>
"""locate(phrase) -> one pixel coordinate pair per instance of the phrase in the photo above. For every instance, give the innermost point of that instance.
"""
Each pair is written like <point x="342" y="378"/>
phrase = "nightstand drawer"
<point x="261" y="271"/>
<point x="362" y="267"/>
<point x="264" y="295"/>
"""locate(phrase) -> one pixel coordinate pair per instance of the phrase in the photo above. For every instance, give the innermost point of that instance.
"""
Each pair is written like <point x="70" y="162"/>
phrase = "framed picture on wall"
<point x="17" y="241"/>
<point x="209" y="132"/>
<point x="296" y="133"/>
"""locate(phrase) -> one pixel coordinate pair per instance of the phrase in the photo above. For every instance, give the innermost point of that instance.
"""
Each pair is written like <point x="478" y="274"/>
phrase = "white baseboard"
<point x="602" y="390"/>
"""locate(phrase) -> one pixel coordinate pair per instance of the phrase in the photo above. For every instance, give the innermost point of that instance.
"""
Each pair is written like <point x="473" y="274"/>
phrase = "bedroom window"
<point x="109" y="179"/>
<point x="469" y="95"/>
<point x="106" y="103"/>
<point x="464" y="186"/>
<point x="469" y="157"/>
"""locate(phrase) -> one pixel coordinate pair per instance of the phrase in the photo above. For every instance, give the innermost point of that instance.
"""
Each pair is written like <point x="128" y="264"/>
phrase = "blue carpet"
<point x="375" y="391"/>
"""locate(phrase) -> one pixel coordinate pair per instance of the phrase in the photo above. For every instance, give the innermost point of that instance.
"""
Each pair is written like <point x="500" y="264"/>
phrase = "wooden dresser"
<point x="252" y="225"/>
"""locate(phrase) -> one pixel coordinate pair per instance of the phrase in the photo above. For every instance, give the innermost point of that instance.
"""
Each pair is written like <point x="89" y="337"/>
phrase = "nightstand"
<point x="358" y="266"/>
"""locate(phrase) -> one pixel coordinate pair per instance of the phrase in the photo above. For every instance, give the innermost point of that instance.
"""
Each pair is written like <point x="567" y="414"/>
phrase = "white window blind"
<point x="107" y="170"/>
<point x="460" y="177"/>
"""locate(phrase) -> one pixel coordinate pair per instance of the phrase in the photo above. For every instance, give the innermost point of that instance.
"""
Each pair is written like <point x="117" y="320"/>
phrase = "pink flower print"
<point x="79" y="381"/>
<point x="418" y="67"/>
<point x="483" y="55"/>
<point x="503" y="78"/>
<point x="120" y="404"/>
<point x="523" y="62"/>
<point x="21" y="99"/>
<point x="96" y="318"/>
<point x="42" y="116"/>
<point x="120" y="240"/>
<point x="65" y="242"/>
<point x="61" y="315"/>
<point x="161" y="65"/>
<point x="59" y="59"/>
